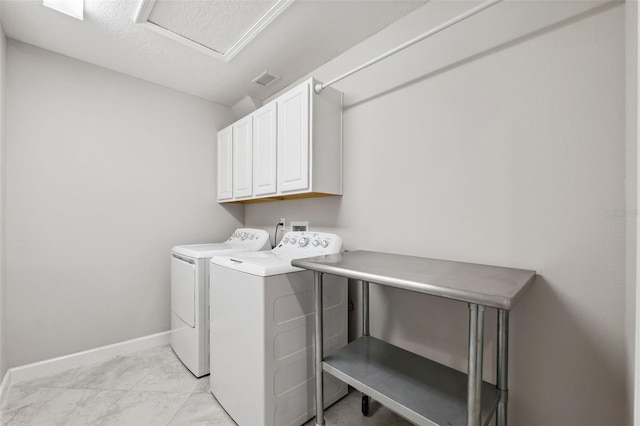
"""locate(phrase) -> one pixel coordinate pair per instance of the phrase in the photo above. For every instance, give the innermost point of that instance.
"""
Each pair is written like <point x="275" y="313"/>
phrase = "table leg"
<point x="503" y="366"/>
<point x="317" y="284"/>
<point x="474" y="383"/>
<point x="365" y="332"/>
<point x="365" y="308"/>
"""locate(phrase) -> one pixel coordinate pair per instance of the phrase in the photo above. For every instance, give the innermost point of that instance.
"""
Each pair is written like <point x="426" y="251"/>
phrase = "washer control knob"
<point x="244" y="236"/>
<point x="324" y="243"/>
<point x="304" y="241"/>
<point x="315" y="243"/>
<point x="293" y="240"/>
<point x="285" y="240"/>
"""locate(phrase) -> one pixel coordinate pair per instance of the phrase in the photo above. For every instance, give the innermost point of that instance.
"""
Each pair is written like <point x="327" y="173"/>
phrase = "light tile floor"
<point x="150" y="387"/>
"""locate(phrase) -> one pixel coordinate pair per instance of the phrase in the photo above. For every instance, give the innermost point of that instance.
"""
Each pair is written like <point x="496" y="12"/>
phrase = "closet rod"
<point x="469" y="13"/>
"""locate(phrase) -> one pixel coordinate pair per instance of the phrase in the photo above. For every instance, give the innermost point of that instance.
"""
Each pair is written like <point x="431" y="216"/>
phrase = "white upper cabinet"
<point x="225" y="166"/>
<point x="289" y="148"/>
<point x="264" y="150"/>
<point x="242" y="158"/>
<point x="293" y="140"/>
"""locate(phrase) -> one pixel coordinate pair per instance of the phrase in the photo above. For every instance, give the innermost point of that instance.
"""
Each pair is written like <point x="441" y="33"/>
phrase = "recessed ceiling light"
<point x="73" y="8"/>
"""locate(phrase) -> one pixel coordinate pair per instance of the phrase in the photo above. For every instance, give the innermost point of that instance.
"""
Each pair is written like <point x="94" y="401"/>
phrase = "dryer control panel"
<point x="250" y="239"/>
<point x="307" y="244"/>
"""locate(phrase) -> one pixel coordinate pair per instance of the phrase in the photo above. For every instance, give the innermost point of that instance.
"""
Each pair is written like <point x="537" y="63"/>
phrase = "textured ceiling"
<point x="306" y="35"/>
<point x="214" y="24"/>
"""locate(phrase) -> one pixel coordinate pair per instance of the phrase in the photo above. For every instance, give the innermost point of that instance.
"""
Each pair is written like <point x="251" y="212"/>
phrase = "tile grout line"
<point x="185" y="401"/>
<point x="40" y="403"/>
<point x="150" y="371"/>
<point x="178" y="410"/>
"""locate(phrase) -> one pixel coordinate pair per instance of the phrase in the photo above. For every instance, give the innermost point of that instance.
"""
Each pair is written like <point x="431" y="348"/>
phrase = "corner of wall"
<point x="3" y="62"/>
<point x="3" y="79"/>
<point x="632" y="208"/>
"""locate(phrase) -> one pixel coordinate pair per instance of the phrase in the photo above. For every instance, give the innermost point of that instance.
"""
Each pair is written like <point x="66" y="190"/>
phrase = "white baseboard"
<point x="80" y="359"/>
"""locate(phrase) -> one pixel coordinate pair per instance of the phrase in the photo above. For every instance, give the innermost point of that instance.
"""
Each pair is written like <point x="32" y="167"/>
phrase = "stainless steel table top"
<point x="486" y="285"/>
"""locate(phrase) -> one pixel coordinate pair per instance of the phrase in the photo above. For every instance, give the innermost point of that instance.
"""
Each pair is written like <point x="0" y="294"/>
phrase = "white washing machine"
<point x="262" y="323"/>
<point x="190" y="294"/>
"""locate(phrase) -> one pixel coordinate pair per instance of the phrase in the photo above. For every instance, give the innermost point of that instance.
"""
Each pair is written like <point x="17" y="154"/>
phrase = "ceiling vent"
<point x="265" y="79"/>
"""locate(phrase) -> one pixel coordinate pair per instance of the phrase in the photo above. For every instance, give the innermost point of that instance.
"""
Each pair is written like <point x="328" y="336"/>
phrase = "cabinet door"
<point x="242" y="158"/>
<point x="225" y="156"/>
<point x="264" y="150"/>
<point x="293" y="140"/>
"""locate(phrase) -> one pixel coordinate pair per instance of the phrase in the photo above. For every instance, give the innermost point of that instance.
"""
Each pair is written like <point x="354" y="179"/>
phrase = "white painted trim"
<point x="144" y="10"/>
<point x="272" y="14"/>
<point x="91" y="356"/>
<point x="184" y="41"/>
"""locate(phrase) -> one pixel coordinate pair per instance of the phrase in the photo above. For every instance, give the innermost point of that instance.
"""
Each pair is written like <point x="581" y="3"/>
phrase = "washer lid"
<point x="243" y="239"/>
<point x="261" y="263"/>
<point x="202" y="251"/>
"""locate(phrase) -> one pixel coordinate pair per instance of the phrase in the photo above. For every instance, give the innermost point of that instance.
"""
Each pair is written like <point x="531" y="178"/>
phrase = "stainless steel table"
<point x="421" y="390"/>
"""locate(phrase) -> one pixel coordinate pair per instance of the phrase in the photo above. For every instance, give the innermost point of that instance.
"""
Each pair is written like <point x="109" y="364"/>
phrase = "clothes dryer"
<point x="262" y="324"/>
<point x="190" y="294"/>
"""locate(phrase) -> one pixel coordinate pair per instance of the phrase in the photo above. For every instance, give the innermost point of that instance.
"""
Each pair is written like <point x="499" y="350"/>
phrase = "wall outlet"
<point x="283" y="222"/>
<point x="300" y="225"/>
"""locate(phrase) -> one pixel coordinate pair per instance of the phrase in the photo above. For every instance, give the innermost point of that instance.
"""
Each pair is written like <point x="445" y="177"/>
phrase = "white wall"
<point x="3" y="54"/>
<point x="501" y="141"/>
<point x="631" y="186"/>
<point x="105" y="173"/>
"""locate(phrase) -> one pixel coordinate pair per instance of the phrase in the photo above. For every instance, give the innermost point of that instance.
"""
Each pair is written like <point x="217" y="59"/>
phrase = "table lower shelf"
<point x="421" y="390"/>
